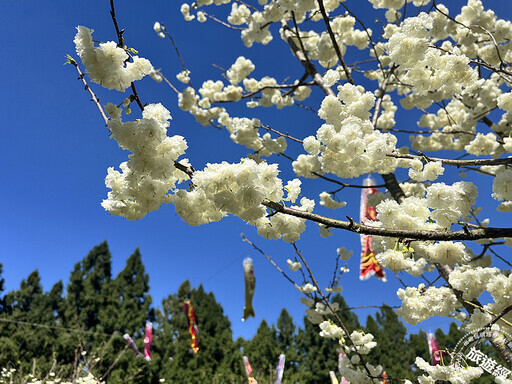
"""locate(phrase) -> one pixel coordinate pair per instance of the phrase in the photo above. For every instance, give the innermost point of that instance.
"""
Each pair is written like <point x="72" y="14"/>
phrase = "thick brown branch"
<point x="458" y="163"/>
<point x="468" y="234"/>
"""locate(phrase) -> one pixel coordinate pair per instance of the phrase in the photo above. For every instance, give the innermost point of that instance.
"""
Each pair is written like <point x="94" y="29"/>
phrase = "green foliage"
<point x="393" y="350"/>
<point x="84" y="328"/>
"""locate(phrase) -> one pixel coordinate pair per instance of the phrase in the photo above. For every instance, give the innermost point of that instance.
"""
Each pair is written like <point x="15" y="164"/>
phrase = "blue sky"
<point x="56" y="153"/>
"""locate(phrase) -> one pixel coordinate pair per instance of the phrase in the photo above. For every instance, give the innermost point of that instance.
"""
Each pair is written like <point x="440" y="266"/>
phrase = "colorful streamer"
<point x="280" y="368"/>
<point x="248" y="371"/>
<point x="434" y="349"/>
<point x="148" y="340"/>
<point x="131" y="344"/>
<point x="250" y="285"/>
<point x="369" y="264"/>
<point x="334" y="379"/>
<point x="192" y="326"/>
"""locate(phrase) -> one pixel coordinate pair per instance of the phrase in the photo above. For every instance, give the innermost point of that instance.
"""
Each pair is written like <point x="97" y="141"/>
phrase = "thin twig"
<point x="328" y="304"/>
<point x="244" y="238"/>
<point x="334" y="42"/>
<point x="94" y="98"/>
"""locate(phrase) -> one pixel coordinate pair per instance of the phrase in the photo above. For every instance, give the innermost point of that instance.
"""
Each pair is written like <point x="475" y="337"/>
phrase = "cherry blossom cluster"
<point x="107" y="64"/>
<point x="453" y="69"/>
<point x="347" y="145"/>
<point x="144" y="181"/>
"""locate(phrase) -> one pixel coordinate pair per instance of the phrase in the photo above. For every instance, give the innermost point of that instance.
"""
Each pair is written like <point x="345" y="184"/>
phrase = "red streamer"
<point x="148" y="340"/>
<point x="434" y="349"/>
<point x="369" y="264"/>
<point x="192" y="326"/>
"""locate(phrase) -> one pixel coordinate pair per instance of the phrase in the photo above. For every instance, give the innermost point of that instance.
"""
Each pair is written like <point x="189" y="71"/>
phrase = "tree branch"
<point x="304" y="60"/>
<point x="458" y="163"/>
<point x="334" y="42"/>
<point x="468" y="234"/>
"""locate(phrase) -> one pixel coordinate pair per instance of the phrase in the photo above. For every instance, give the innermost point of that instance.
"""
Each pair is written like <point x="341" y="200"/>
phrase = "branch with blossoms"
<point x="457" y="163"/>
<point x="465" y="234"/>
<point x="424" y="60"/>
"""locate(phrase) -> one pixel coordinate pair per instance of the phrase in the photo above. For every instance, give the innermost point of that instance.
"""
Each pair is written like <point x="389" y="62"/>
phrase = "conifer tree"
<point x="263" y="351"/>
<point x="22" y="341"/>
<point x="286" y="339"/>
<point x="129" y="309"/>
<point x="217" y="361"/>
<point x="85" y="298"/>
<point x="2" y="287"/>
<point x="393" y="349"/>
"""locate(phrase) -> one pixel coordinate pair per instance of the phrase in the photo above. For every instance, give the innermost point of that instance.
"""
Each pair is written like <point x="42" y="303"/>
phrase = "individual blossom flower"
<point x="483" y="144"/>
<point x="446" y="252"/>
<point x="201" y="16"/>
<point x="394" y="260"/>
<point x="184" y="76"/>
<point x="324" y="230"/>
<point x="363" y="341"/>
<point x="307" y="288"/>
<point x="505" y="101"/>
<point x="293" y="188"/>
<point x="185" y="11"/>
<point x="331" y="77"/>
<point x="502" y="185"/>
<point x="240" y="70"/>
<point x="107" y="64"/>
<point x="343" y="253"/>
<point x="430" y="172"/>
<point x="293" y="265"/>
<point x="330" y="330"/>
<point x="307" y="302"/>
<point x="327" y="201"/>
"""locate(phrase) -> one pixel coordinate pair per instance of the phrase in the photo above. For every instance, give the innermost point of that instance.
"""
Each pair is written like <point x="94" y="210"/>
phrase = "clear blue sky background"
<point x="56" y="152"/>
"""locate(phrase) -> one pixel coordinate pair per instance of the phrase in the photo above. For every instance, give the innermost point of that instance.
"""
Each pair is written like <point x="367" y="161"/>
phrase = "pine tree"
<point x="28" y="337"/>
<point x="2" y="287"/>
<point x="393" y="349"/>
<point x="263" y="351"/>
<point x="217" y="361"/>
<point x="128" y="309"/>
<point x="286" y="339"/>
<point x="85" y="298"/>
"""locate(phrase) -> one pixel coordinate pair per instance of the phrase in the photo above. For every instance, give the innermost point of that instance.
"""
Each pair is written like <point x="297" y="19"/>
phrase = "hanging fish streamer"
<point x="131" y="344"/>
<point x="434" y="349"/>
<point x="334" y="379"/>
<point x="369" y="264"/>
<point x="248" y="371"/>
<point x="250" y="285"/>
<point x="280" y="369"/>
<point x="192" y="326"/>
<point x="148" y="340"/>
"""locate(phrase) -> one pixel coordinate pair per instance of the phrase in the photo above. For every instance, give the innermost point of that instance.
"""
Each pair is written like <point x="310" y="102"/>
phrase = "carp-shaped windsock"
<point x="192" y="326"/>
<point x="148" y="340"/>
<point x="369" y="264"/>
<point x="131" y="344"/>
<point x="250" y="284"/>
